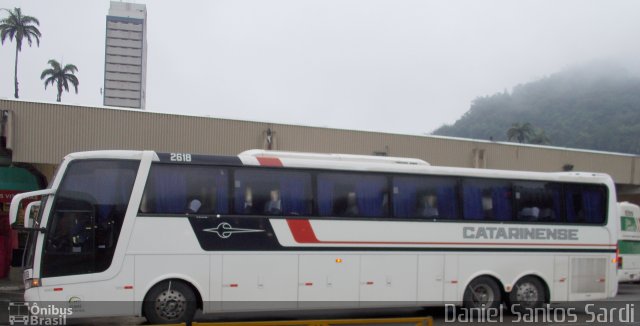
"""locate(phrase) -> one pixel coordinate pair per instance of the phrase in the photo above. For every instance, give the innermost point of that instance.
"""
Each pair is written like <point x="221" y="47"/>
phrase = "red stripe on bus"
<point x="57" y="289"/>
<point x="302" y="232"/>
<point x="269" y="161"/>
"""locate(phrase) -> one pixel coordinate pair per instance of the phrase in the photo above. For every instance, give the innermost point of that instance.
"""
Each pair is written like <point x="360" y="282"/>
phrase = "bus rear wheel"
<point x="170" y="302"/>
<point x="527" y="294"/>
<point x="482" y="293"/>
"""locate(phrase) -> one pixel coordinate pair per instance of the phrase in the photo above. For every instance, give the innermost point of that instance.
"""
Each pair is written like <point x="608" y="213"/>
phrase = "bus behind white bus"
<point x="629" y="243"/>
<point x="162" y="235"/>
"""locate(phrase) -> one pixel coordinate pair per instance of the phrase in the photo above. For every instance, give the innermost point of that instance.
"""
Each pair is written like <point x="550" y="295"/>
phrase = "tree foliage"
<point x="60" y="76"/>
<point x="19" y="27"/>
<point x="590" y="107"/>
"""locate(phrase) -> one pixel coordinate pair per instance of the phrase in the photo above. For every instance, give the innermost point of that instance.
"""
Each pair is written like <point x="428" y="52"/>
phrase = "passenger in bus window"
<point x="487" y="205"/>
<point x="204" y="202"/>
<point x="194" y="206"/>
<point x="529" y="213"/>
<point x="385" y="203"/>
<point x="352" y="204"/>
<point x="428" y="205"/>
<point x="248" y="201"/>
<point x="274" y="205"/>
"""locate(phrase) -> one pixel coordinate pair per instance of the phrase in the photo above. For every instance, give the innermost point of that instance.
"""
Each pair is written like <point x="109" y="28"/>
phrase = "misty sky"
<point x="394" y="65"/>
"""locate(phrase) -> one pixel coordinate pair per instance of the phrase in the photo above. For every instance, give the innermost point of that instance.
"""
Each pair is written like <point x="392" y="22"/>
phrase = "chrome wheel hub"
<point x="527" y="294"/>
<point x="170" y="304"/>
<point x="482" y="296"/>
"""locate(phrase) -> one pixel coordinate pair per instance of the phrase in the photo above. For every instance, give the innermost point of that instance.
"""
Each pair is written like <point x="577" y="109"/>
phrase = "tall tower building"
<point x="125" y="64"/>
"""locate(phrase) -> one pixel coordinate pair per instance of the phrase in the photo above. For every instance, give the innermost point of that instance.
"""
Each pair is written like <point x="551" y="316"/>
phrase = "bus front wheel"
<point x="527" y="294"/>
<point x="482" y="293"/>
<point x="170" y="302"/>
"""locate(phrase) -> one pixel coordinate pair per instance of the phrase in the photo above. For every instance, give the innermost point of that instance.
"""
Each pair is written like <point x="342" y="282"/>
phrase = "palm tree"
<point x="60" y="76"/>
<point x="17" y="26"/>
<point x="521" y="132"/>
<point x="539" y="137"/>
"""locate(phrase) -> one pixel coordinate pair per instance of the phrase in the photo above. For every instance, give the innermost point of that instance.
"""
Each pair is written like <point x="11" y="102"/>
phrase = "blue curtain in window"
<point x="238" y="193"/>
<point x="447" y="207"/>
<point x="293" y="190"/>
<point x="221" y="183"/>
<point x="501" y="197"/>
<point x="592" y="201"/>
<point x="571" y="213"/>
<point x="472" y="203"/>
<point x="370" y="195"/>
<point x="325" y="195"/>
<point x="405" y="202"/>
<point x="557" y="204"/>
<point x="170" y="190"/>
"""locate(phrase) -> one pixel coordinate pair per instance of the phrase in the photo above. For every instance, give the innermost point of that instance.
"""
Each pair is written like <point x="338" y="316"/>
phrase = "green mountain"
<point x="591" y="107"/>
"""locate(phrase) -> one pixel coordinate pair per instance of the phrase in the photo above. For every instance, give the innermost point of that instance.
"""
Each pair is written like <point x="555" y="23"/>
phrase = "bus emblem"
<point x="224" y="230"/>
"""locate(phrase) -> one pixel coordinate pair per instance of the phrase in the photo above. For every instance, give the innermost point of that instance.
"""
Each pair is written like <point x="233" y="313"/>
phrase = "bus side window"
<point x="185" y="189"/>
<point x="424" y="197"/>
<point x="585" y="204"/>
<point x="487" y="200"/>
<point x="537" y="201"/>
<point x="351" y="195"/>
<point x="272" y="192"/>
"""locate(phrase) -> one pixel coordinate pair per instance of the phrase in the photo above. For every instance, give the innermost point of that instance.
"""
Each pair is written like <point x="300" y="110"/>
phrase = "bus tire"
<point x="528" y="293"/>
<point x="170" y="302"/>
<point x="482" y="293"/>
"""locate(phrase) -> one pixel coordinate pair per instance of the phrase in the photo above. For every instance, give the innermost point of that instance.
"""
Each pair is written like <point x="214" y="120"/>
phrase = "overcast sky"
<point x="385" y="65"/>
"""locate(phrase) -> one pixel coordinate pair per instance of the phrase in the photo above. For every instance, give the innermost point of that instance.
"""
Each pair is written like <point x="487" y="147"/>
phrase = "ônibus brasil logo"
<point x="25" y="313"/>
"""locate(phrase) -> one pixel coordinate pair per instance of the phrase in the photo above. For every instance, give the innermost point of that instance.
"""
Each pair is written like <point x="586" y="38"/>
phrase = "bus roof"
<point x="345" y="162"/>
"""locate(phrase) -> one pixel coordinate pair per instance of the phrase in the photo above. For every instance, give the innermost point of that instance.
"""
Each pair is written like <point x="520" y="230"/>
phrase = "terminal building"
<point x="36" y="136"/>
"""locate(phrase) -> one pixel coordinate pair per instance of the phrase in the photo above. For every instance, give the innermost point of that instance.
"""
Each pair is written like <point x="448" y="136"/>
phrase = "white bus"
<point x="166" y="234"/>
<point x="629" y="243"/>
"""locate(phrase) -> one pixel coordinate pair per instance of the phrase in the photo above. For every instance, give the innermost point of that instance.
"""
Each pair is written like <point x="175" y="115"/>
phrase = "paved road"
<point x="627" y="294"/>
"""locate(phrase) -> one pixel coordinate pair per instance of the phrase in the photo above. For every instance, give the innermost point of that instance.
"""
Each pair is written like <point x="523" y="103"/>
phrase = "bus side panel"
<point x="214" y="302"/>
<point x="430" y="279"/>
<point x="452" y="289"/>
<point x="388" y="280"/>
<point x="329" y="281"/>
<point x="114" y="298"/>
<point x="589" y="275"/>
<point x="560" y="289"/>
<point x="259" y="282"/>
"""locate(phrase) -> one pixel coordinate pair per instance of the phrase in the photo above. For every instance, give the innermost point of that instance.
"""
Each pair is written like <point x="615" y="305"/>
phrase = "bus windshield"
<point x="86" y="216"/>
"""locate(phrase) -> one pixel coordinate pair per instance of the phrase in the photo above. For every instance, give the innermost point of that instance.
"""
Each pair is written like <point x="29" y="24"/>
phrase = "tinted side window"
<point x="272" y="192"/>
<point x="487" y="200"/>
<point x="87" y="216"/>
<point x="342" y="194"/>
<point x="538" y="201"/>
<point x="585" y="203"/>
<point x="424" y="197"/>
<point x="186" y="189"/>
